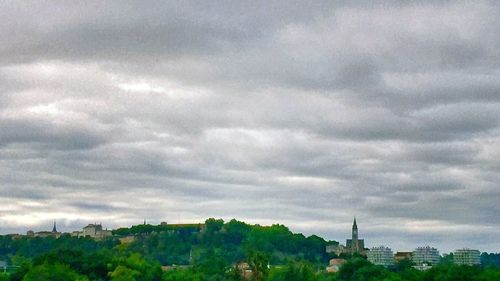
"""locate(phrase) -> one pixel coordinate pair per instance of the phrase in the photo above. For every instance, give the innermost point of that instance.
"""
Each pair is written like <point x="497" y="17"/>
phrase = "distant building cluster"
<point x="54" y="233"/>
<point x="93" y="231"/>
<point x="97" y="232"/>
<point x="423" y="258"/>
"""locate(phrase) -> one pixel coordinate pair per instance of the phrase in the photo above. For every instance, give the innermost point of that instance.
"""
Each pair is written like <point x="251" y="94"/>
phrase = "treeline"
<point x="490" y="259"/>
<point x="213" y="251"/>
<point x="359" y="269"/>
<point x="121" y="265"/>
<point x="208" y="249"/>
<point x="233" y="241"/>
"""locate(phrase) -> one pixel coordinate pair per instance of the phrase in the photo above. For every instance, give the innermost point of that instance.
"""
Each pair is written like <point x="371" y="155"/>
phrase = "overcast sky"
<point x="304" y="114"/>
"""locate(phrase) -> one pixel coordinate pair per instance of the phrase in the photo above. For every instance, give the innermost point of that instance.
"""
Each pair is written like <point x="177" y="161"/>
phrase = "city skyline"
<point x="347" y="249"/>
<point x="302" y="114"/>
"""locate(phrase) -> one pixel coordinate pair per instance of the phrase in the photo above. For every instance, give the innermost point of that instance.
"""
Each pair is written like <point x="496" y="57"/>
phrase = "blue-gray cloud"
<point x="282" y="112"/>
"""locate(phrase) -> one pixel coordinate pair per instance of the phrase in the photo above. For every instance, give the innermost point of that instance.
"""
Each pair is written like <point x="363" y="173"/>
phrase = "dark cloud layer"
<point x="281" y="112"/>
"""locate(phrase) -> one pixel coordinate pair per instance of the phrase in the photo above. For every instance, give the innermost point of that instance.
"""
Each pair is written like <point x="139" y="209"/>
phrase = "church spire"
<point x="354" y="231"/>
<point x="54" y="229"/>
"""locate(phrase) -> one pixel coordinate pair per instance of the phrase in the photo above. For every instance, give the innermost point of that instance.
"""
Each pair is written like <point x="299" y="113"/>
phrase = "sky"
<point x="303" y="113"/>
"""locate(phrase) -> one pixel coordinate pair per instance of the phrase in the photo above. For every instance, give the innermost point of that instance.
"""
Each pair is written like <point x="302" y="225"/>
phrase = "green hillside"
<point x="214" y="250"/>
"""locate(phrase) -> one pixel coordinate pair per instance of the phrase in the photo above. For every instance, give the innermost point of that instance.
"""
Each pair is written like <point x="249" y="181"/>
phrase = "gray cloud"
<point x="48" y="135"/>
<point x="275" y="112"/>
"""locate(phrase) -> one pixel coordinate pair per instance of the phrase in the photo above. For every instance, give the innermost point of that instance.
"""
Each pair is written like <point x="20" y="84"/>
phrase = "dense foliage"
<point x="233" y="241"/>
<point x="202" y="252"/>
<point x="358" y="269"/>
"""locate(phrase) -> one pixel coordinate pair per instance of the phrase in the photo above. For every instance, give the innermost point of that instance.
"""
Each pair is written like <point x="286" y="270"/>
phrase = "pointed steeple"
<point x="54" y="229"/>
<point x="354" y="231"/>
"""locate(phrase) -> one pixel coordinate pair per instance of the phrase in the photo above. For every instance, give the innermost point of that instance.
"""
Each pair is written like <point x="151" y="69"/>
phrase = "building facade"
<point x="381" y="256"/>
<point x="467" y="257"/>
<point x="336" y="249"/>
<point x="425" y="257"/>
<point x="93" y="231"/>
<point x="355" y="245"/>
<point x="335" y="264"/>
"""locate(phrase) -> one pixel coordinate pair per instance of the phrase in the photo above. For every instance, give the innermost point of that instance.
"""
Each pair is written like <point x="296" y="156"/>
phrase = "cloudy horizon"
<point x="268" y="112"/>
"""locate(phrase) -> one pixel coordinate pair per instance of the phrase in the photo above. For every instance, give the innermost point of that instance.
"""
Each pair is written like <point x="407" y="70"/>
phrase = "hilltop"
<point x="213" y="250"/>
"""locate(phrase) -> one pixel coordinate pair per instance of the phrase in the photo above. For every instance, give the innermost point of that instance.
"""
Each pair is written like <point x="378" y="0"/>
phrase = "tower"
<point x="54" y="229"/>
<point x="355" y="244"/>
<point x="354" y="231"/>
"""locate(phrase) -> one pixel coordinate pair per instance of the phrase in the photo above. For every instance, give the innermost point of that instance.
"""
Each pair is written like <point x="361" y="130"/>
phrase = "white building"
<point x="467" y="257"/>
<point x="425" y="256"/>
<point x="94" y="231"/>
<point x="381" y="256"/>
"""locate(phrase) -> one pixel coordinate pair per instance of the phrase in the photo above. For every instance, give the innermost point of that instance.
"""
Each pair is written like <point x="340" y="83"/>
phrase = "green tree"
<point x="235" y="232"/>
<point x="392" y="277"/>
<point x="447" y="259"/>
<point x="211" y="264"/>
<point x="490" y="259"/>
<point x="359" y="269"/>
<point x="259" y="264"/>
<point x="451" y="272"/>
<point x="146" y="270"/>
<point x="349" y="269"/>
<point x="370" y="272"/>
<point x="277" y="273"/>
<point x="53" y="272"/>
<point x="24" y="266"/>
<point x="294" y="271"/>
<point x="403" y="265"/>
<point x="123" y="273"/>
<point x="234" y="274"/>
<point x="490" y="274"/>
<point x="183" y="275"/>
<point x="411" y="274"/>
<point x="327" y="276"/>
<point x="213" y="225"/>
